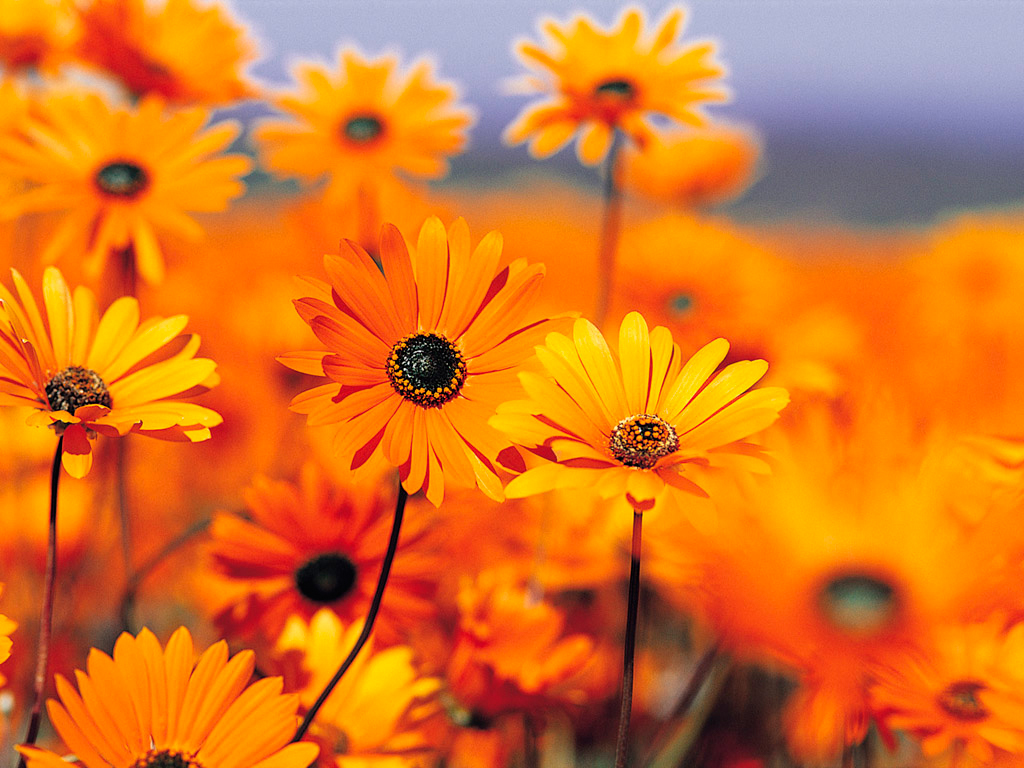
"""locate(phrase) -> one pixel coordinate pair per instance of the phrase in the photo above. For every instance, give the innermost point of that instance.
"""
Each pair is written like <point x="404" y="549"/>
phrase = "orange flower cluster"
<point x="820" y="431"/>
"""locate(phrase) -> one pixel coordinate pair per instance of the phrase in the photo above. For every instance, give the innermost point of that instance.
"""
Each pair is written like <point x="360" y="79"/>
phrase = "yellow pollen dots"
<point x="74" y="387"/>
<point x="426" y="369"/>
<point x="639" y="441"/>
<point x="960" y="699"/>
<point x="165" y="758"/>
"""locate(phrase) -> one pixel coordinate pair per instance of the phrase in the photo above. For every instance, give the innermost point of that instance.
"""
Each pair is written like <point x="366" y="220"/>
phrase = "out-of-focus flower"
<point x="309" y="546"/>
<point x="633" y="424"/>
<point x="35" y="33"/>
<point x="86" y="375"/>
<point x="149" y="706"/>
<point x="364" y="123"/>
<point x="712" y="280"/>
<point x="421" y="355"/>
<point x="864" y="561"/>
<point x="183" y="51"/>
<point x="692" y="168"/>
<point x="378" y="712"/>
<point x="965" y="694"/>
<point x="6" y="627"/>
<point x="600" y="81"/>
<point x="121" y="176"/>
<point x="513" y="654"/>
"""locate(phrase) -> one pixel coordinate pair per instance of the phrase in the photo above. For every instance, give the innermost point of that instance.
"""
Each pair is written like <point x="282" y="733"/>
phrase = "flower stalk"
<point x="629" y="647"/>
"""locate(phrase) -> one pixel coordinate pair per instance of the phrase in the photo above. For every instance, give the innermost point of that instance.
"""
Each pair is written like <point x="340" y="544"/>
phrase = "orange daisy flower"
<point x="693" y="168"/>
<point x="180" y="50"/>
<point x="6" y="627"/>
<point x="420" y="356"/>
<point x="86" y="375"/>
<point x="600" y="81"/>
<point x="149" y="706"/>
<point x="965" y="695"/>
<point x="302" y="548"/>
<point x="35" y="33"/>
<point x="640" y="423"/>
<point x="122" y="176"/>
<point x="378" y="713"/>
<point x="363" y="123"/>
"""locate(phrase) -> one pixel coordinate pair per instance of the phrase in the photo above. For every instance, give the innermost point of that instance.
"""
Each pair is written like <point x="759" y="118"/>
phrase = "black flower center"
<point x="960" y="699"/>
<point x="615" y="88"/>
<point x="858" y="604"/>
<point x="681" y="304"/>
<point x="326" y="578"/>
<point x="427" y="369"/>
<point x="74" y="387"/>
<point x="641" y="440"/>
<point x="165" y="758"/>
<point x="122" y="179"/>
<point x="362" y="129"/>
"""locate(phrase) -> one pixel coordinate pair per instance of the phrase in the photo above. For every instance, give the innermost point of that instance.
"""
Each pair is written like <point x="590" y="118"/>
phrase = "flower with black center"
<point x="363" y="123"/>
<point x="421" y="354"/>
<point x="598" y="81"/>
<point x="633" y="424"/>
<point x="122" y="177"/>
<point x="87" y="375"/>
<point x="152" y="707"/>
<point x="181" y="50"/>
<point x="964" y="694"/>
<point x="308" y="546"/>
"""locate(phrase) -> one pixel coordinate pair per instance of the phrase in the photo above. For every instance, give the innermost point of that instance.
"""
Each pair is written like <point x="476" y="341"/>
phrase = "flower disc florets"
<point x="426" y="369"/>
<point x="639" y="441"/>
<point x="326" y="578"/>
<point x="362" y="129"/>
<point x="960" y="700"/>
<point x="74" y="387"/>
<point x="122" y="179"/>
<point x="858" y="604"/>
<point x="165" y="758"/>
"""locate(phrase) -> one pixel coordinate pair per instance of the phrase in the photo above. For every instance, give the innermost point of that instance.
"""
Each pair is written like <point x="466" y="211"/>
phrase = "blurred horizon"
<point x="870" y="113"/>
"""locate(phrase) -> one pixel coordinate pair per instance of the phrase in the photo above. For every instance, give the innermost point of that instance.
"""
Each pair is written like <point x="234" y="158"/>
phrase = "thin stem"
<point x="49" y="590"/>
<point x="126" y="531"/>
<point x="611" y="219"/>
<point x="629" y="648"/>
<point x="127" y="609"/>
<point x="531" y="747"/>
<point x="371" y="617"/>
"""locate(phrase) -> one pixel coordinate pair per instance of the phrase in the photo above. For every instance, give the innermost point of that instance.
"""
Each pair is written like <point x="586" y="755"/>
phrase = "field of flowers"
<point x="525" y="471"/>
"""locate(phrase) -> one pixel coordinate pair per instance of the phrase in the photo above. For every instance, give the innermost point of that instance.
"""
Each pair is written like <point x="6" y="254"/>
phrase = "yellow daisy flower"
<point x="122" y="176"/>
<point x="364" y="122"/>
<point x="86" y="374"/>
<point x="35" y="33"/>
<point x="6" y="628"/>
<point x="634" y="425"/>
<point x="157" y="708"/>
<point x="599" y="81"/>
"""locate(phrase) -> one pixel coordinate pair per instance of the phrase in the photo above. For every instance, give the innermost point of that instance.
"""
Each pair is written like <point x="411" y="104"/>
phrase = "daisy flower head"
<point x="309" y="546"/>
<point x="598" y="81"/>
<point x="87" y="375"/>
<point x="965" y="693"/>
<point x="121" y="176"/>
<point x="181" y="50"/>
<point x="420" y="354"/>
<point x="635" y="423"/>
<point x="152" y="707"/>
<point x="363" y="122"/>
<point x="35" y="33"/>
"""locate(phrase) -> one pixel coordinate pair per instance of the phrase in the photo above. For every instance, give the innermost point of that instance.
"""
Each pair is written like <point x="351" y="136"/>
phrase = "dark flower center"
<point x="427" y="369"/>
<point x="960" y="700"/>
<point x="122" y="179"/>
<point x="681" y="304"/>
<point x="326" y="578"/>
<point x="165" y="758"/>
<point x="857" y="604"/>
<point x="622" y="90"/>
<point x="362" y="129"/>
<point x="74" y="387"/>
<point x="641" y="440"/>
